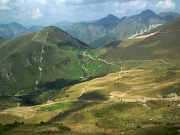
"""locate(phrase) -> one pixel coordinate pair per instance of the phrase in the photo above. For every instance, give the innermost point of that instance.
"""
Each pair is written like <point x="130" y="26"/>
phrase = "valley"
<point x="99" y="103"/>
<point x="53" y="83"/>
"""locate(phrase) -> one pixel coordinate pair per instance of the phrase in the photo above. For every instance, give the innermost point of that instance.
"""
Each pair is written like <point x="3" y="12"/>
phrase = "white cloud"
<point x="83" y="2"/>
<point x="4" y="1"/>
<point x="3" y="5"/>
<point x="166" y="4"/>
<point x="48" y="11"/>
<point x="41" y="1"/>
<point x="37" y="14"/>
<point x="119" y="11"/>
<point x="116" y="4"/>
<point x="135" y="5"/>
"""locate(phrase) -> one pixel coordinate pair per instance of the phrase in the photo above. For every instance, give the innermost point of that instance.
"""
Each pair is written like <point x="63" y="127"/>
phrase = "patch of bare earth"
<point x="85" y="128"/>
<point x="114" y="94"/>
<point x="24" y="112"/>
<point x="145" y="36"/>
<point x="48" y="129"/>
<point x="141" y="87"/>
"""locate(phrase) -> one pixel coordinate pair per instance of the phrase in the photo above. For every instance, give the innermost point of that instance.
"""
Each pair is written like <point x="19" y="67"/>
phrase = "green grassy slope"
<point x="44" y="56"/>
<point x="130" y="27"/>
<point x="86" y="32"/>
<point x="45" y="60"/>
<point x="2" y="40"/>
<point x="164" y="45"/>
<point x="136" y="102"/>
<point x="144" y="101"/>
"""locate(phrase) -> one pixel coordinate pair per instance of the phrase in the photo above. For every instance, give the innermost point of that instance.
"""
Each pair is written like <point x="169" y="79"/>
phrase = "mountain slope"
<point x="35" y="57"/>
<point x="12" y="30"/>
<point x="132" y="27"/>
<point x="45" y="60"/>
<point x="64" y="25"/>
<point x="168" y="16"/>
<point x="2" y="40"/>
<point x="88" y="32"/>
<point x="162" y="47"/>
<point x="35" y="28"/>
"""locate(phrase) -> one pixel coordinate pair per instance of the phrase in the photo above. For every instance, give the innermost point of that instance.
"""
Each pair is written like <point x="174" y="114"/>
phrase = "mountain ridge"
<point x="44" y="60"/>
<point x="14" y="29"/>
<point x="132" y="26"/>
<point x="88" y="32"/>
<point x="159" y="46"/>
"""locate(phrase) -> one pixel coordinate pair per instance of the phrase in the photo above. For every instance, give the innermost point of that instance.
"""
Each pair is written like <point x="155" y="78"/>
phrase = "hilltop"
<point x="49" y="59"/>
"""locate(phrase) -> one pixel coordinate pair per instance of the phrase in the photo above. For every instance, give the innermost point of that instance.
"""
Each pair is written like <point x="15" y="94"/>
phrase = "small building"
<point x="50" y="101"/>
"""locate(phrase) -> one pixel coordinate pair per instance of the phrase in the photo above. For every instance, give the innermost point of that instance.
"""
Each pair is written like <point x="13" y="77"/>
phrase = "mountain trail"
<point x="42" y="50"/>
<point x="83" y="90"/>
<point x="35" y="36"/>
<point x="98" y="59"/>
<point x="128" y="61"/>
<point x="169" y="31"/>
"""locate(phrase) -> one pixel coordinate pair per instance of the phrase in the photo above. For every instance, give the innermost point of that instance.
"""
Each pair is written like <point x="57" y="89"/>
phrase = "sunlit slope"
<point x="2" y="40"/>
<point x="45" y="60"/>
<point x="43" y="56"/>
<point x="163" y="46"/>
<point x="123" y="101"/>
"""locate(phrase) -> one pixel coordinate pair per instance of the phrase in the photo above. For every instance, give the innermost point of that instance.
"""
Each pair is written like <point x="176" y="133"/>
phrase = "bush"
<point x="64" y="128"/>
<point x="42" y="122"/>
<point x="168" y="124"/>
<point x="138" y="126"/>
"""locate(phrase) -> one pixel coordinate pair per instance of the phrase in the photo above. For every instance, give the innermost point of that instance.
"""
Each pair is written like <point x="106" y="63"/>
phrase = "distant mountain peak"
<point x="35" y="28"/>
<point x="111" y="16"/>
<point x="148" y="12"/>
<point x="15" y="24"/>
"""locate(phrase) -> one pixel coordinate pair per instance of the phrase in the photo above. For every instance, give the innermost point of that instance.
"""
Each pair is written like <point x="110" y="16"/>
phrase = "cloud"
<point x="134" y="5"/>
<point x="166" y="4"/>
<point x="37" y="14"/>
<point x="4" y="1"/>
<point x="3" y="5"/>
<point x="90" y="2"/>
<point x="116" y="4"/>
<point x="51" y="11"/>
<point x="123" y="7"/>
<point x="119" y="11"/>
<point x="83" y="2"/>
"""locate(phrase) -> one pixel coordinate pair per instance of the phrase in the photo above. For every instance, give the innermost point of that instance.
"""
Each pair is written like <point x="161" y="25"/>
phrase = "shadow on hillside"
<point x="63" y="115"/>
<point x="45" y="91"/>
<point x="113" y="44"/>
<point x="8" y="102"/>
<point x="94" y="95"/>
<point x="57" y="84"/>
<point x="87" y="99"/>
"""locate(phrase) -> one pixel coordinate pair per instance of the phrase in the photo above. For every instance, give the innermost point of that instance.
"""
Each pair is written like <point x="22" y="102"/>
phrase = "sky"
<point x="48" y="12"/>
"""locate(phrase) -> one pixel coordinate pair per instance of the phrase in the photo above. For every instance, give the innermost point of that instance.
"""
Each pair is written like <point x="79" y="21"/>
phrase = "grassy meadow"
<point x="128" y="102"/>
